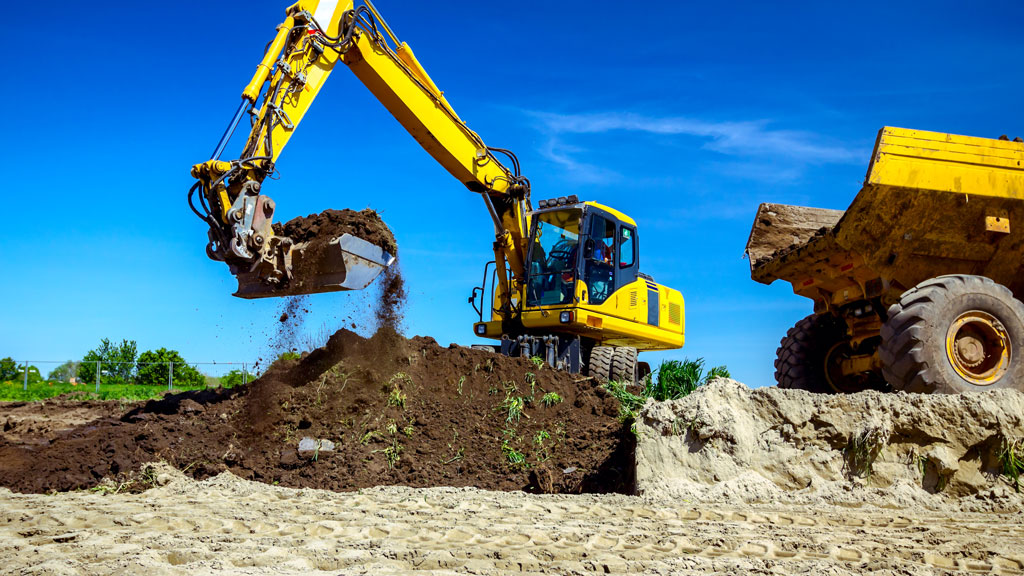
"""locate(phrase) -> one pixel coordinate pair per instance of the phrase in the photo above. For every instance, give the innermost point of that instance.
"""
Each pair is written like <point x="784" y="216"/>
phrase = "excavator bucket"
<point x="344" y="263"/>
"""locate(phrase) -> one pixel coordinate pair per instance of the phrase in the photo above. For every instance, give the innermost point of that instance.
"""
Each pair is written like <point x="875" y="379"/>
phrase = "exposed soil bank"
<point x="727" y="442"/>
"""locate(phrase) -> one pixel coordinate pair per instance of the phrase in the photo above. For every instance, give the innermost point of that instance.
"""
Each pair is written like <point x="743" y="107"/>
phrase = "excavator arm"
<point x="315" y="36"/>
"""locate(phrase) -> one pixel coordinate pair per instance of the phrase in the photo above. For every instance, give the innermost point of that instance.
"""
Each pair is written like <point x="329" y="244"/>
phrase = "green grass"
<point x="677" y="378"/>
<point x="397" y="398"/>
<point x="513" y="407"/>
<point x="515" y="458"/>
<point x="392" y="454"/>
<point x="550" y="399"/>
<point x="862" y="450"/>
<point x="629" y="402"/>
<point x="1011" y="460"/>
<point x="12" y="391"/>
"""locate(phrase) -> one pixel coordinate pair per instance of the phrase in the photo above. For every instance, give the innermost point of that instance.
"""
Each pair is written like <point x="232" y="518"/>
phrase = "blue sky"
<point x="683" y="115"/>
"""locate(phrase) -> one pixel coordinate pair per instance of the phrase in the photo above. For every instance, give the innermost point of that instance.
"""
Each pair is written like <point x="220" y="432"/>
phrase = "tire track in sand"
<point x="228" y="525"/>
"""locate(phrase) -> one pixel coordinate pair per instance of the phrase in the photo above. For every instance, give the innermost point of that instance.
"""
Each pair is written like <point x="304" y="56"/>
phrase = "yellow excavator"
<point x="565" y="283"/>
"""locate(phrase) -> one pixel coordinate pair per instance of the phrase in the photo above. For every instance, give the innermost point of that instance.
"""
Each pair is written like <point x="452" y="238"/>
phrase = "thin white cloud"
<point x="559" y="152"/>
<point x="749" y="139"/>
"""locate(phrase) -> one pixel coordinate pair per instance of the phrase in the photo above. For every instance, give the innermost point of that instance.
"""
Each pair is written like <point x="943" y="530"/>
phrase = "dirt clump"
<point x="356" y="413"/>
<point x="330" y="224"/>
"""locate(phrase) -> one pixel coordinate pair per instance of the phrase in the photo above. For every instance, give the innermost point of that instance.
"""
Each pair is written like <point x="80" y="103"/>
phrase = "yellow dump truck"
<point x="916" y="285"/>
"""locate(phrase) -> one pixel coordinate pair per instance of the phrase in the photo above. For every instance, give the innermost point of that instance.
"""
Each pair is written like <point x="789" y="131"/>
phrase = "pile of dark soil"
<point x="405" y="412"/>
<point x="329" y="224"/>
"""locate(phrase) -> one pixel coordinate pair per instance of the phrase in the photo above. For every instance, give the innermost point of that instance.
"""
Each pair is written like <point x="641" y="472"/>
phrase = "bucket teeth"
<point x="345" y="263"/>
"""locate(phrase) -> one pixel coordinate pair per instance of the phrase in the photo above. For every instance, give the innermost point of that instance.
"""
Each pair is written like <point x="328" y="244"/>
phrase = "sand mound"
<point x="728" y="442"/>
<point x="356" y="413"/>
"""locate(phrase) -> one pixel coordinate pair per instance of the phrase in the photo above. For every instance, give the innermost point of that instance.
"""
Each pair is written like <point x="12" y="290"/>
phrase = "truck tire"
<point x="954" y="334"/>
<point x="800" y="359"/>
<point x="624" y="365"/>
<point x="643" y="370"/>
<point x="600" y="363"/>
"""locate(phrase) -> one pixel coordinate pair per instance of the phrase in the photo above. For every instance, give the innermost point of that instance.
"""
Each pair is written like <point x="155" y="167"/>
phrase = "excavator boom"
<point x="315" y="36"/>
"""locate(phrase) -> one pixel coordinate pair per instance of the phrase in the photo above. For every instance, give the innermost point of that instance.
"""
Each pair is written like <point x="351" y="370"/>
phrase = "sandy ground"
<point x="226" y="525"/>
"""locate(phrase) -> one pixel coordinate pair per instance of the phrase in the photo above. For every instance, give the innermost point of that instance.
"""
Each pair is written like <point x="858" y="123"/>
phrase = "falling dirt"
<point x="398" y="411"/>
<point x="389" y="310"/>
<point x="289" y="333"/>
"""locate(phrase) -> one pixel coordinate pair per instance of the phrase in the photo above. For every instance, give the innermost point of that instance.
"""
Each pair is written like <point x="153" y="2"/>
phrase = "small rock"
<point x="308" y="444"/>
<point x="163" y="479"/>
<point x="289" y="458"/>
<point x="190" y="406"/>
<point x="541" y="480"/>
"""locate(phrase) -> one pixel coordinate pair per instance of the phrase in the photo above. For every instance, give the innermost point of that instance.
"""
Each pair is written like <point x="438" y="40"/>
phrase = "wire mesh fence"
<point x="38" y="379"/>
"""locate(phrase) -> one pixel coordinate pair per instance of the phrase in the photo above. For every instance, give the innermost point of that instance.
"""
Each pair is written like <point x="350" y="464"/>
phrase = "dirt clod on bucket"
<point x="330" y="224"/>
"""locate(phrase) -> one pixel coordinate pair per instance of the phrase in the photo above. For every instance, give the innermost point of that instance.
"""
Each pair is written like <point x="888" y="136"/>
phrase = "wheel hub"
<point x="978" y="347"/>
<point x="847" y="371"/>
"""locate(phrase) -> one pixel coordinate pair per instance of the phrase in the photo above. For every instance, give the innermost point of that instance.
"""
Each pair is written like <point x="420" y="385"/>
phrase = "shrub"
<point x="677" y="378"/>
<point x="154" y="366"/>
<point x="235" y="378"/>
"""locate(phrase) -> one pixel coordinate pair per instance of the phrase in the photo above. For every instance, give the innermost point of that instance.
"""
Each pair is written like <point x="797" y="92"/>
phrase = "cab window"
<point x="600" y="269"/>
<point x="627" y="247"/>
<point x="553" y="256"/>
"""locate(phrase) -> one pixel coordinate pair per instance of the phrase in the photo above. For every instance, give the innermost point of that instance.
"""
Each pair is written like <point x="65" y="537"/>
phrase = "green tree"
<point x="8" y="369"/>
<point x="33" y="374"/>
<point x="117" y="362"/>
<point x="64" y="372"/>
<point x="154" y="364"/>
<point x="235" y="378"/>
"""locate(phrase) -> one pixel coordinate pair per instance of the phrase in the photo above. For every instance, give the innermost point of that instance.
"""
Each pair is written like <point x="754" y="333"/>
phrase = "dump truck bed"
<point x="780" y="229"/>
<point x="931" y="204"/>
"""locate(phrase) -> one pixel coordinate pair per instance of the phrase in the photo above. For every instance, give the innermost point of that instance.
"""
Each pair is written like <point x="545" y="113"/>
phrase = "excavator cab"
<point x="579" y="242"/>
<point x="583" y="299"/>
<point x="554" y="258"/>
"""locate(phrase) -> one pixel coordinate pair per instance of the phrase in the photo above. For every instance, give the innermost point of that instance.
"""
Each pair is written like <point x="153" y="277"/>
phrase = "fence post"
<point x="245" y="374"/>
<point x="25" y="386"/>
<point x="170" y="376"/>
<point x="97" y="376"/>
